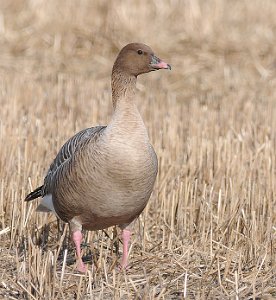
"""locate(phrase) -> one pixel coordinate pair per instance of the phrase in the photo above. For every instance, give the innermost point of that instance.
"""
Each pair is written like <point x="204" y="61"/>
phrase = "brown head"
<point x="136" y="58"/>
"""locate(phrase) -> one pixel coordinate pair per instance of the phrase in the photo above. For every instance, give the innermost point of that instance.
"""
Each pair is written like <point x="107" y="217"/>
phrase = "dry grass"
<point x="209" y="228"/>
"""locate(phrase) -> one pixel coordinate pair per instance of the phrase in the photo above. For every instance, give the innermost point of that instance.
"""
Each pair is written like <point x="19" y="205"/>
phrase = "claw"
<point x="81" y="267"/>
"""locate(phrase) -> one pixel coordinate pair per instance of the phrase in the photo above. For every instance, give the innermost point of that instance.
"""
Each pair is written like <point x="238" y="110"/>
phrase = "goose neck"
<point x="123" y="90"/>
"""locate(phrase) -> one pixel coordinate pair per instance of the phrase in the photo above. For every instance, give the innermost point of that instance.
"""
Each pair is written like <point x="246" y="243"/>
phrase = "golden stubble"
<point x="209" y="228"/>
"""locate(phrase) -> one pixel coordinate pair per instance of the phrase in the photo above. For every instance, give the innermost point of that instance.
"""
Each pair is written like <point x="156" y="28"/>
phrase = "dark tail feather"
<point x="35" y="194"/>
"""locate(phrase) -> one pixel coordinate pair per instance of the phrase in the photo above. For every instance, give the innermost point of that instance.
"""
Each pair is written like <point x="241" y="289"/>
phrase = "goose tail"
<point x="34" y="194"/>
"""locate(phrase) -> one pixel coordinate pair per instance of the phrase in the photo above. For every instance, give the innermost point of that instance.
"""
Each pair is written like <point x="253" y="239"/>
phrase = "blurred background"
<point x="83" y="36"/>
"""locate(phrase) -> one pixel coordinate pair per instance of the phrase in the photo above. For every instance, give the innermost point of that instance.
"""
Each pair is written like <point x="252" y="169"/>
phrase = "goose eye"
<point x="140" y="52"/>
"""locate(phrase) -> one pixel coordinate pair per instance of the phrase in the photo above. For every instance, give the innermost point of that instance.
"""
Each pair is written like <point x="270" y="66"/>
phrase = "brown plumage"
<point x="104" y="176"/>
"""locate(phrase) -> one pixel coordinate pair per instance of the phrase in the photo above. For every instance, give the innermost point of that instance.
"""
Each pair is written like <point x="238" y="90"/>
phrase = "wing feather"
<point x="67" y="151"/>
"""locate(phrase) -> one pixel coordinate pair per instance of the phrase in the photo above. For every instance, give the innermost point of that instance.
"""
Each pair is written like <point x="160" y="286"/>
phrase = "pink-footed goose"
<point x="103" y="176"/>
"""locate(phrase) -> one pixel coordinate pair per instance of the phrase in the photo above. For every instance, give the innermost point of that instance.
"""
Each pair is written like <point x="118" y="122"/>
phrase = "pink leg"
<point x="77" y="238"/>
<point x="126" y="237"/>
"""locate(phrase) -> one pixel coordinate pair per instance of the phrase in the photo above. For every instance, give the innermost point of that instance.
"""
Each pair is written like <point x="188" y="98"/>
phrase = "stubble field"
<point x="209" y="229"/>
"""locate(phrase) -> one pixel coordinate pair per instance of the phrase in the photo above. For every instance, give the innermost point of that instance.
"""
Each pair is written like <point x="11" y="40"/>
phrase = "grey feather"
<point x="67" y="151"/>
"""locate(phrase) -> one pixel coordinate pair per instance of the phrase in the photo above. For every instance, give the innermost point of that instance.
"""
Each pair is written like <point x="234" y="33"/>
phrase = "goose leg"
<point x="77" y="238"/>
<point x="126" y="237"/>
